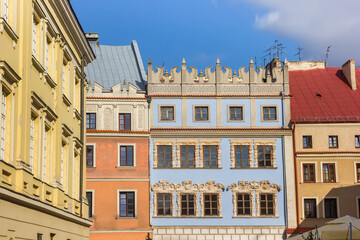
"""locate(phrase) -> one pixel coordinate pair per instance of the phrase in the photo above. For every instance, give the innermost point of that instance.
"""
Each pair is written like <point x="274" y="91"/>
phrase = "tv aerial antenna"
<point x="327" y="54"/>
<point x="299" y="52"/>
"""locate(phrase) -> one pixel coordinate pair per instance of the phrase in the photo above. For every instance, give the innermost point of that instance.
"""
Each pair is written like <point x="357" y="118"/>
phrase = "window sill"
<point x="66" y="101"/>
<point x="77" y="114"/>
<point x="126" y="218"/>
<point x="265" y="168"/>
<point x="170" y="120"/>
<point x="37" y="65"/>
<point x="198" y="217"/>
<point x="272" y="216"/>
<point x="195" y="168"/>
<point x="87" y="167"/>
<point x="50" y="81"/>
<point x="125" y="167"/>
<point x="245" y="216"/>
<point x="5" y="26"/>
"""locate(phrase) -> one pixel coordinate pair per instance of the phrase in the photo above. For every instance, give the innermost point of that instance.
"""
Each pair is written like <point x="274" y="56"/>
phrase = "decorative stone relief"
<point x="211" y="187"/>
<point x="163" y="186"/>
<point x="108" y="119"/>
<point x="187" y="188"/>
<point x="160" y="142"/>
<point x="265" y="142"/>
<point x="244" y="187"/>
<point x="210" y="142"/>
<point x="238" y="142"/>
<point x="186" y="142"/>
<point x="266" y="187"/>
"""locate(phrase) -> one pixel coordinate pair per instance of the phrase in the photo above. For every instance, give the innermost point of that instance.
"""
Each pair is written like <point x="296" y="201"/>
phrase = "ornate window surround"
<point x="211" y="187"/>
<point x="239" y="142"/>
<point x="163" y="186"/>
<point x="244" y="187"/>
<point x="266" y="187"/>
<point x="169" y="142"/>
<point x="210" y="142"/>
<point x="187" y="142"/>
<point x="265" y="142"/>
<point x="187" y="188"/>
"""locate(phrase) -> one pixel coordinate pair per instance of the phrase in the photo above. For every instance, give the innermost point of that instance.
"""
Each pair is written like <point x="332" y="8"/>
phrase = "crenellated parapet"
<point x="271" y="80"/>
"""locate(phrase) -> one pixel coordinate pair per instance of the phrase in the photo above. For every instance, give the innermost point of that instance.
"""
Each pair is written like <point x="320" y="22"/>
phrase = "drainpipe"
<point x="285" y="188"/>
<point x="282" y="109"/>
<point x="82" y="138"/>
<point x="296" y="179"/>
<point x="149" y="168"/>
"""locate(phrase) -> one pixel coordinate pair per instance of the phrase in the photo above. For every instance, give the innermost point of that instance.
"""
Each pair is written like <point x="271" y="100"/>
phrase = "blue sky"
<point x="233" y="30"/>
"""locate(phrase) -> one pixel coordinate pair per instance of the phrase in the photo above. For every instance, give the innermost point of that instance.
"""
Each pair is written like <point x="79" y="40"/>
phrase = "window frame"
<point x="93" y="145"/>
<point x="303" y="173"/>
<point x="357" y="172"/>
<point x="187" y="204"/>
<point x="263" y="113"/>
<point x="133" y="145"/>
<point x="171" y="156"/>
<point x="316" y="207"/>
<point x="92" y="191"/>
<point x="187" y="160"/>
<point x="216" y="154"/>
<point x="217" y="204"/>
<point x="237" y="204"/>
<point x="248" y="153"/>
<point x="167" y="106"/>
<point x="118" y="215"/>
<point x="337" y="206"/>
<point x="207" y="106"/>
<point x="171" y="204"/>
<point x="266" y="207"/>
<point x="125" y="129"/>
<point x="307" y="137"/>
<point x="229" y="113"/>
<point x="271" y="155"/>
<point x="90" y="128"/>
<point x="357" y="141"/>
<point x="323" y="174"/>
<point x="332" y="137"/>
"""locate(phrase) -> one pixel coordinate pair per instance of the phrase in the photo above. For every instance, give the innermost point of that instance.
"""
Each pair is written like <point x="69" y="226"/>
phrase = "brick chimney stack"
<point x="349" y="71"/>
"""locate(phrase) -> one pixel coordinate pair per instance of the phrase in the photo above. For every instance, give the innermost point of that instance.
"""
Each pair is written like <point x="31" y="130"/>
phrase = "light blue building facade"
<point x="219" y="149"/>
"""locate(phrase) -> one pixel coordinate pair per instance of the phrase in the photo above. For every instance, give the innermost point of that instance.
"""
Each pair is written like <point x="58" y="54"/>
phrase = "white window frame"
<point x="355" y="172"/>
<point x="337" y="205"/>
<point x="118" y="203"/>
<point x="3" y="125"/>
<point x="322" y="171"/>
<point x="94" y="153"/>
<point x="134" y="155"/>
<point x="92" y="202"/>
<point x="5" y="10"/>
<point x="302" y="171"/>
<point x="316" y="203"/>
<point x="62" y="165"/>
<point x="44" y="153"/>
<point x="32" y="132"/>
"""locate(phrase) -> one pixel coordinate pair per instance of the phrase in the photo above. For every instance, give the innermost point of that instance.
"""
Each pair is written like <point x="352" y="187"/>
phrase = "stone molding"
<point x="240" y="142"/>
<point x="243" y="187"/>
<point x="187" y="188"/>
<point x="211" y="187"/>
<point x="163" y="186"/>
<point x="265" y="142"/>
<point x="266" y="187"/>
<point x="210" y="142"/>
<point x="187" y="142"/>
<point x="160" y="142"/>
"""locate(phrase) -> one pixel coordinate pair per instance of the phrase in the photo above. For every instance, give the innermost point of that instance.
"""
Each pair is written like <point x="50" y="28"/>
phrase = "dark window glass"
<point x="241" y="156"/>
<point x="243" y="204"/>
<point x="167" y="113"/>
<point x="164" y="156"/>
<point x="357" y="141"/>
<point x="201" y="113"/>
<point x="307" y="141"/>
<point x="269" y="113"/>
<point x="126" y="156"/>
<point x="330" y="208"/>
<point x="236" y="113"/>
<point x="310" y="208"/>
<point x="89" y="156"/>
<point x="309" y="173"/>
<point x="333" y="142"/>
<point x="266" y="204"/>
<point x="39" y="236"/>
<point x="164" y="204"/>
<point x="210" y="156"/>
<point x="264" y="156"/>
<point x="52" y="236"/>
<point x="91" y="121"/>
<point x="211" y="204"/>
<point x="359" y="205"/>
<point x="127" y="204"/>
<point x="187" y="205"/>
<point x="329" y="172"/>
<point x="358" y="173"/>
<point x="125" y="121"/>
<point x="187" y="156"/>
<point x="89" y="196"/>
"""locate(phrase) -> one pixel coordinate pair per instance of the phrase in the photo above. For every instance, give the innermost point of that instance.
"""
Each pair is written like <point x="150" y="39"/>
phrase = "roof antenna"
<point x="327" y="54"/>
<point x="299" y="52"/>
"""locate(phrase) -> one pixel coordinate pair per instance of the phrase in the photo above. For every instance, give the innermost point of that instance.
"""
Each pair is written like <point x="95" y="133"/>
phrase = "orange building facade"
<point x="117" y="144"/>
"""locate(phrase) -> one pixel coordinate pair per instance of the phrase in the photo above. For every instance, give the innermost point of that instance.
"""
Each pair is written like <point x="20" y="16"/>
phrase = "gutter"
<point x="296" y="179"/>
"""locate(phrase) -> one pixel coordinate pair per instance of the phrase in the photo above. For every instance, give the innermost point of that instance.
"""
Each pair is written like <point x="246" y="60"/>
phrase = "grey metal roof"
<point x="114" y="64"/>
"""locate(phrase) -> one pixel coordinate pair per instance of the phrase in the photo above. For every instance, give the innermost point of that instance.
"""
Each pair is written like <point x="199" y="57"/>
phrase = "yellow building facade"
<point x="43" y="52"/>
<point x="326" y="133"/>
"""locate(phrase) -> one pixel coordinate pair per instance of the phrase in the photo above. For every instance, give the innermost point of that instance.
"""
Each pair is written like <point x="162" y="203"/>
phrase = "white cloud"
<point x="316" y="24"/>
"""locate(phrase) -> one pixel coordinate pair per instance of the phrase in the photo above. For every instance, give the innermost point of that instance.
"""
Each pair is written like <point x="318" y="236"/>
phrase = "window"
<point x="210" y="156"/>
<point x="32" y="123"/>
<point x="241" y="156"/>
<point x="89" y="196"/>
<point x="266" y="204"/>
<point x="187" y="156"/>
<point x="333" y="142"/>
<point x="3" y="122"/>
<point x="167" y="113"/>
<point x="269" y="113"/>
<point x="211" y="205"/>
<point x="357" y="141"/>
<point x="358" y="200"/>
<point x="201" y="113"/>
<point x="5" y="9"/>
<point x="310" y="208"/>
<point x="243" y="204"/>
<point x="62" y="165"/>
<point x="91" y="121"/>
<point x="39" y="236"/>
<point x="309" y="173"/>
<point x="265" y="156"/>
<point x="164" y="204"/>
<point x="90" y="156"/>
<point x="45" y="153"/>
<point x="34" y="26"/>
<point x="127" y="204"/>
<point x="329" y="173"/>
<point x="358" y="172"/>
<point x="236" y="113"/>
<point x="330" y="208"/>
<point x="126" y="156"/>
<point x="187" y="205"/>
<point x="164" y="156"/>
<point x="52" y="236"/>
<point x="307" y="141"/>
<point x="124" y="121"/>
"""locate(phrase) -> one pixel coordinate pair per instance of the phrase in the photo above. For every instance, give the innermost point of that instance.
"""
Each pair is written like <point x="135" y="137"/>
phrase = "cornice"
<point x="219" y="96"/>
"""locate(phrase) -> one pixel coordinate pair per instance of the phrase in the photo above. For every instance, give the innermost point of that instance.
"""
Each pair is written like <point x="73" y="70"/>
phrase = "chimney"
<point x="349" y="71"/>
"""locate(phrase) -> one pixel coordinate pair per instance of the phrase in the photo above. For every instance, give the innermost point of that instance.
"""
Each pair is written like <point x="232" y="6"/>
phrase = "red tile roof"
<point x="324" y="95"/>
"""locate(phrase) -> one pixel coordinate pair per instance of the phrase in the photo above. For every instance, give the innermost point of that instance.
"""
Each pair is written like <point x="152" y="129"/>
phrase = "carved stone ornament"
<point x="163" y="186"/>
<point x="244" y="187"/>
<point x="163" y="142"/>
<point x="270" y="143"/>
<point x="211" y="187"/>
<point x="187" y="188"/>
<point x="266" y="187"/>
<point x="236" y="142"/>
<point x="180" y="143"/>
<point x="210" y="142"/>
